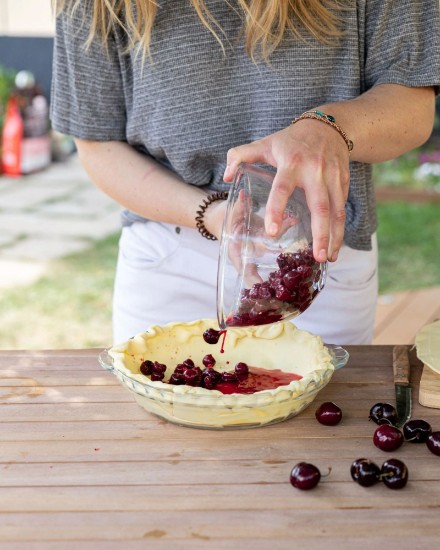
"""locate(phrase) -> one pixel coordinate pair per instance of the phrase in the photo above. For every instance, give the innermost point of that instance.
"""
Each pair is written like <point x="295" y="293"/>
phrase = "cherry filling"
<point x="290" y="288"/>
<point x="258" y="380"/>
<point x="243" y="379"/>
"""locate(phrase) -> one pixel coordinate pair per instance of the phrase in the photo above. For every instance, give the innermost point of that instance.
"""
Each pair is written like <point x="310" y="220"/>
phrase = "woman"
<point x="165" y="101"/>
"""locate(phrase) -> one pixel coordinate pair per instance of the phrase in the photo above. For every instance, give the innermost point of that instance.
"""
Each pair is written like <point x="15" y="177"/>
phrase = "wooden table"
<point x="83" y="466"/>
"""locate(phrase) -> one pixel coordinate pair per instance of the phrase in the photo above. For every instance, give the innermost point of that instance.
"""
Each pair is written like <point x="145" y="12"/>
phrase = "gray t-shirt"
<point x="192" y="103"/>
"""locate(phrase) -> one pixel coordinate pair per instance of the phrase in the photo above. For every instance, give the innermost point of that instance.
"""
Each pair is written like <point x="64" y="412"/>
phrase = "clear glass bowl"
<point x="210" y="409"/>
<point x="262" y="279"/>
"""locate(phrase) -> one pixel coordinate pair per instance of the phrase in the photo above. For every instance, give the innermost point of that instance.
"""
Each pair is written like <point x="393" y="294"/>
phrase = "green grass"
<point x="71" y="306"/>
<point x="409" y="250"/>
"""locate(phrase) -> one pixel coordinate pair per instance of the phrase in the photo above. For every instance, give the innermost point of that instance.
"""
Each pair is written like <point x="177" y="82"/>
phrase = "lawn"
<point x="409" y="246"/>
<point x="71" y="306"/>
<point x="68" y="308"/>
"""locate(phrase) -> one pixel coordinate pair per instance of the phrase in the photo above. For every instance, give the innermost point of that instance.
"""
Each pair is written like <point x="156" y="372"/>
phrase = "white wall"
<point x="26" y="18"/>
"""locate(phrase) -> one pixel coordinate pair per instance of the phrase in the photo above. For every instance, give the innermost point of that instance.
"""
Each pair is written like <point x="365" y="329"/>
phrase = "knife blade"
<point x="401" y="372"/>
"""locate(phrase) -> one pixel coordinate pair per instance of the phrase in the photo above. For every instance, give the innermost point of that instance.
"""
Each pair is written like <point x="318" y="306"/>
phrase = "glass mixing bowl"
<point x="275" y="278"/>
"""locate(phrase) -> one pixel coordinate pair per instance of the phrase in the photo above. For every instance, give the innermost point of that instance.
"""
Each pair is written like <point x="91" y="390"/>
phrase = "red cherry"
<point x="328" y="413"/>
<point x="394" y="473"/>
<point x="241" y="370"/>
<point x="365" y="472"/>
<point x="146" y="367"/>
<point x="208" y="360"/>
<point x="211" y="336"/>
<point x="387" y="438"/>
<point x="417" y="431"/>
<point x="433" y="443"/>
<point x="305" y="476"/>
<point x="383" y="413"/>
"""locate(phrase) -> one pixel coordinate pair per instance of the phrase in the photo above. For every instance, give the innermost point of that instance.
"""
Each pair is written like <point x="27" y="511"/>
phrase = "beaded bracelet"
<point x="219" y="196"/>
<point x="328" y="119"/>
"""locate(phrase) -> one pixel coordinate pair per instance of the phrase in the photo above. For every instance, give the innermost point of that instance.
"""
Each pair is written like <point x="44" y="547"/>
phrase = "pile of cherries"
<point x="191" y="375"/>
<point x="387" y="437"/>
<point x="288" y="289"/>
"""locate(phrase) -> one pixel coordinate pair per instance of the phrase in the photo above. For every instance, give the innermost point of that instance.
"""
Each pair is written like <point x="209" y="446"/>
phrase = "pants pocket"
<point x="147" y="245"/>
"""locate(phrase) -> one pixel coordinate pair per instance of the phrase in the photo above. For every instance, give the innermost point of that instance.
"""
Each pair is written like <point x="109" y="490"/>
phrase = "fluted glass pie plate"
<point x="280" y="345"/>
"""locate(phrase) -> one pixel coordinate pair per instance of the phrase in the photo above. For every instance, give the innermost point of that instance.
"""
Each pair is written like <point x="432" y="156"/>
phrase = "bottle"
<point x="12" y="138"/>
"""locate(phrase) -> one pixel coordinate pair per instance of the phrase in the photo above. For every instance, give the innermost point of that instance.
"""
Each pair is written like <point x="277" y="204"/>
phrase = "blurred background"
<point x="59" y="234"/>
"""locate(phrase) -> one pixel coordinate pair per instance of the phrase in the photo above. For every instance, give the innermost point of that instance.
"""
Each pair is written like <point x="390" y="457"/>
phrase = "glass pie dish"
<point x="263" y="279"/>
<point x="279" y="345"/>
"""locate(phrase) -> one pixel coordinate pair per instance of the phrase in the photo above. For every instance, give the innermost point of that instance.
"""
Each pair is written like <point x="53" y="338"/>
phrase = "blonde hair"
<point x="265" y="22"/>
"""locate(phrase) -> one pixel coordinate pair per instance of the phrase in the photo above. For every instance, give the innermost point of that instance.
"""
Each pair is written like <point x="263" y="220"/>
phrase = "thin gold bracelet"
<point x="328" y="119"/>
<point x="200" y="224"/>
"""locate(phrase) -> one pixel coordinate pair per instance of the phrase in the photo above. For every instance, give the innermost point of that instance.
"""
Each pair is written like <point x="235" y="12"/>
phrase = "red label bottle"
<point x="12" y="138"/>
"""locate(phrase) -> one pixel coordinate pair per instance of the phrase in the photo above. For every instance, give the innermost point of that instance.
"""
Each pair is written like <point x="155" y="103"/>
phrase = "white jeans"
<point x="165" y="273"/>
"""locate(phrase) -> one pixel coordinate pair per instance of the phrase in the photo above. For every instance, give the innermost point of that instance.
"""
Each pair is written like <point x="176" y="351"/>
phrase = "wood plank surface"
<point x="83" y="466"/>
<point x="400" y="316"/>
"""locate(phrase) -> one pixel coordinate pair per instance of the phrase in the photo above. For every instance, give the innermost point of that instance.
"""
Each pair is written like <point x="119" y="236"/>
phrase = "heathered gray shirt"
<point x="193" y="103"/>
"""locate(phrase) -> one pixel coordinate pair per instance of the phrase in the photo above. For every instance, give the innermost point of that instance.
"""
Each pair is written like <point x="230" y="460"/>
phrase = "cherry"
<point x="433" y="443"/>
<point x="157" y="371"/>
<point x="387" y="438"/>
<point x="176" y="379"/>
<point x="208" y="360"/>
<point x="180" y="369"/>
<point x="211" y="336"/>
<point x="157" y="376"/>
<point x="394" y="473"/>
<point x="241" y="370"/>
<point x="328" y="413"/>
<point x="291" y="279"/>
<point x="305" y="476"/>
<point x="365" y="472"/>
<point x="192" y="376"/>
<point x="417" y="431"/>
<point x="383" y="413"/>
<point x="146" y="367"/>
<point x="209" y="382"/>
<point x="229" y="377"/>
<point x="287" y="289"/>
<point x="210" y="378"/>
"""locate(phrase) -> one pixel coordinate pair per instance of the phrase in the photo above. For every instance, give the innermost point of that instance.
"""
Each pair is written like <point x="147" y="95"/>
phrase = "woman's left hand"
<point x="310" y="155"/>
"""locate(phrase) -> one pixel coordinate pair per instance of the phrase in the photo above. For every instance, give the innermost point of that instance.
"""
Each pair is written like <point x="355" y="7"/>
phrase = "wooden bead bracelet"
<point x="200" y="224"/>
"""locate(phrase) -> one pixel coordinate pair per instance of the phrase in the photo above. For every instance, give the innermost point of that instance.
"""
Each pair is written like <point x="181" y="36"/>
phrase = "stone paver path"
<point x="49" y="215"/>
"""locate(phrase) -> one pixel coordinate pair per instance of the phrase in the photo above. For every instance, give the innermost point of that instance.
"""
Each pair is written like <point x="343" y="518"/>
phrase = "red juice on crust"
<point x="258" y="379"/>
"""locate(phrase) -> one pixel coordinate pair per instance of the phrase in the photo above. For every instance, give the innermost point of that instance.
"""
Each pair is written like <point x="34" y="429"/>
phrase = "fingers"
<point x="319" y="204"/>
<point x="326" y="189"/>
<point x="326" y="197"/>
<point x="251" y="275"/>
<point x="283" y="186"/>
<point x="338" y="197"/>
<point x="250" y="153"/>
<point x="315" y="162"/>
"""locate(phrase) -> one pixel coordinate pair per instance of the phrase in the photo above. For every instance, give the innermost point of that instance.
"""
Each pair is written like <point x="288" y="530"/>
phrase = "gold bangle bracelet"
<point x="327" y="119"/>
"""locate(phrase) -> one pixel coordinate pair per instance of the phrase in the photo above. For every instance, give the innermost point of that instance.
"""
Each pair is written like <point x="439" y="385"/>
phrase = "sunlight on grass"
<point x="68" y="308"/>
<point x="409" y="248"/>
